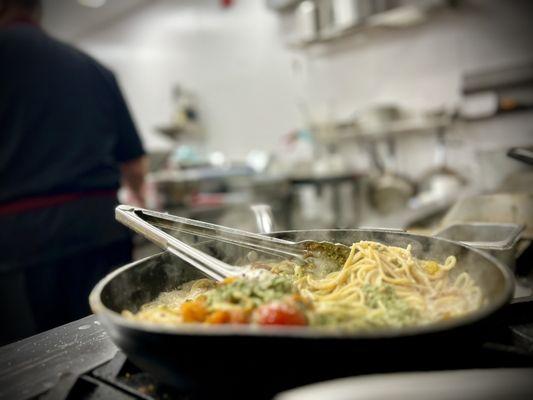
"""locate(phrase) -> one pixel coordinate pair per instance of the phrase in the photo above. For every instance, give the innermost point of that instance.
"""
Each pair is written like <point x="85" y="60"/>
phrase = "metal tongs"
<point x="150" y="223"/>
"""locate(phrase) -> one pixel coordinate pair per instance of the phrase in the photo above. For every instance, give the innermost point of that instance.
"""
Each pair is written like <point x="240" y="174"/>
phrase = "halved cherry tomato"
<point x="279" y="314"/>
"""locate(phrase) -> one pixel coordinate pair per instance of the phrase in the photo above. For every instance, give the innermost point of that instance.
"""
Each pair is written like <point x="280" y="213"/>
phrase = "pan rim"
<point x="101" y="310"/>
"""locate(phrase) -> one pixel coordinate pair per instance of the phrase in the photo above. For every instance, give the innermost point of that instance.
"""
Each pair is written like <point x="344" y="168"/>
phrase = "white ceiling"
<point x="70" y="21"/>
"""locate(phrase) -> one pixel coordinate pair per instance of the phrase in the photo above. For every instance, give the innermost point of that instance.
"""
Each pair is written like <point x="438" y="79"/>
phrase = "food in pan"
<point x="379" y="286"/>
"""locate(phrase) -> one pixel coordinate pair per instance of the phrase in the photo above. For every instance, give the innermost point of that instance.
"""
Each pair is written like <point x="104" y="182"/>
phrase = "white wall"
<point x="249" y="83"/>
<point x="232" y="59"/>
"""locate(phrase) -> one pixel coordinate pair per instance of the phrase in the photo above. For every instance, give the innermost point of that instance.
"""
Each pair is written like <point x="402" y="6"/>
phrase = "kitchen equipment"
<point x="524" y="154"/>
<point x="195" y="355"/>
<point x="378" y="119"/>
<point x="147" y="223"/>
<point x="441" y="182"/>
<point x="263" y="217"/>
<point x="348" y="13"/>
<point x="389" y="191"/>
<point x="306" y="21"/>
<point x="337" y="16"/>
<point x="324" y="201"/>
<point x="495" y="92"/>
<point x="510" y="208"/>
<point x="499" y="240"/>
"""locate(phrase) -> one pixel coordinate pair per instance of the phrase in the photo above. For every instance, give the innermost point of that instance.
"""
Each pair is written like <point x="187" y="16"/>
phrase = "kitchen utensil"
<point x="306" y="21"/>
<point x="263" y="217"/>
<point x="148" y="224"/>
<point x="271" y="359"/>
<point x="524" y="154"/>
<point x="336" y="16"/>
<point x="441" y="182"/>
<point x="389" y="191"/>
<point x="499" y="240"/>
<point x="511" y="208"/>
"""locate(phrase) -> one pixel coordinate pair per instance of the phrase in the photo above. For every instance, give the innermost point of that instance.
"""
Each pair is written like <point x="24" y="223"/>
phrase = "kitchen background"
<point x="337" y="113"/>
<point x="299" y="114"/>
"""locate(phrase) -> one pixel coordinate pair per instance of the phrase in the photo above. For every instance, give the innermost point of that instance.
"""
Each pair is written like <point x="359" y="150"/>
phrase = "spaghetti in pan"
<point x="377" y="287"/>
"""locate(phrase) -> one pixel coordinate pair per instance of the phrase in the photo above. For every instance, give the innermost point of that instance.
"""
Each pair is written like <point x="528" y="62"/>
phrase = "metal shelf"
<point x="392" y="130"/>
<point x="402" y="16"/>
<point x="498" y="79"/>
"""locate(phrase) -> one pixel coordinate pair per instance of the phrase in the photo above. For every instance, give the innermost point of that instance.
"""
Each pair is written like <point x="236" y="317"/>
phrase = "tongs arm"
<point x="253" y="241"/>
<point x="212" y="267"/>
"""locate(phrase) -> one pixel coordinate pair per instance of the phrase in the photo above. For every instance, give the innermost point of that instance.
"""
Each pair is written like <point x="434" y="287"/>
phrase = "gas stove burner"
<point x="115" y="379"/>
<point x="123" y="374"/>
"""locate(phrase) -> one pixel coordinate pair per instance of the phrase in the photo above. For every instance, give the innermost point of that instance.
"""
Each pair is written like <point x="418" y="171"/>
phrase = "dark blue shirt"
<point x="64" y="125"/>
<point x="64" y="128"/>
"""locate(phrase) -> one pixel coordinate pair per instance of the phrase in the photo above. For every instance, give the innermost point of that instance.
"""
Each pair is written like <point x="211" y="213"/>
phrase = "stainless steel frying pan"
<point x="219" y="360"/>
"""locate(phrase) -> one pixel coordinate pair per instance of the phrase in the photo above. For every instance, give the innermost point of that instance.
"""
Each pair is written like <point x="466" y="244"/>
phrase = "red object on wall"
<point x="226" y="3"/>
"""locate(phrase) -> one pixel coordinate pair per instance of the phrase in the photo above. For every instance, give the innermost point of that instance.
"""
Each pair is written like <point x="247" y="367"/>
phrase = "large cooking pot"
<point x="234" y="359"/>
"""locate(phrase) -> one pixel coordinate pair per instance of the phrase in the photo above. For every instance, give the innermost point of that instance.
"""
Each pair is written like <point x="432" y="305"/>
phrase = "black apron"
<point x="51" y="258"/>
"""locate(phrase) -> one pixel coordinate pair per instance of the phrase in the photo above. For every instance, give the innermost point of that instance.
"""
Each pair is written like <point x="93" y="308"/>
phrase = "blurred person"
<point x="66" y="142"/>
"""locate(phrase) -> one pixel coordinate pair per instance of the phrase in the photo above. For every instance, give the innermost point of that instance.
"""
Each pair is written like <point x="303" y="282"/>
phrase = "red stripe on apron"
<point x="37" y="202"/>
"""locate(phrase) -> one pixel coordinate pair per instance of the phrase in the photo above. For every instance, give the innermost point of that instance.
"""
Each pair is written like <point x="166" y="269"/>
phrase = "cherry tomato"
<point x="279" y="314"/>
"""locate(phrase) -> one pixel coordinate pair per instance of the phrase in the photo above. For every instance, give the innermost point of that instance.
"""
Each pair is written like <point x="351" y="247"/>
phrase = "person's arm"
<point x="129" y="151"/>
<point x="133" y="173"/>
